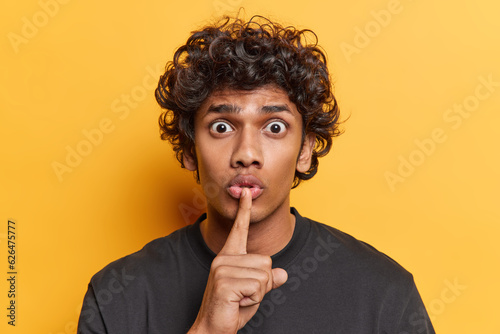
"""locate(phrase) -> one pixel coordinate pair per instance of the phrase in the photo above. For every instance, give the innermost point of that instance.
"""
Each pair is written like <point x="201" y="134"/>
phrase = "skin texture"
<point x="245" y="139"/>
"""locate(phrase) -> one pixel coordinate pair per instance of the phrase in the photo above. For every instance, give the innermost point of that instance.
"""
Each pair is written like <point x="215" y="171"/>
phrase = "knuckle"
<point x="264" y="262"/>
<point x="263" y="277"/>
<point x="258" y="288"/>
<point x="221" y="285"/>
<point x="217" y="262"/>
<point x="255" y="284"/>
<point x="267" y="261"/>
<point x="219" y="272"/>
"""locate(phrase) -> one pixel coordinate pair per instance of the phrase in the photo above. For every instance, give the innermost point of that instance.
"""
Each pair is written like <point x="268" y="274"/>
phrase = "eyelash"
<point x="211" y="126"/>
<point x="231" y="128"/>
<point x="283" y="124"/>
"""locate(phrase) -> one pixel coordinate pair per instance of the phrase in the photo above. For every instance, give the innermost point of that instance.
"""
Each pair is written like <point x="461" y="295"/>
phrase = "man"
<point x="249" y="109"/>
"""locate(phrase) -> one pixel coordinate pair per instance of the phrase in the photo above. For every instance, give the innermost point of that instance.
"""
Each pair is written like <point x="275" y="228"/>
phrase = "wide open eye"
<point x="276" y="127"/>
<point x="220" y="127"/>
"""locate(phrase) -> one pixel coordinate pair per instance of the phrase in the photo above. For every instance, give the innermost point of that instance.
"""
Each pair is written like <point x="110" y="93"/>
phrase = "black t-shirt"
<point x="336" y="284"/>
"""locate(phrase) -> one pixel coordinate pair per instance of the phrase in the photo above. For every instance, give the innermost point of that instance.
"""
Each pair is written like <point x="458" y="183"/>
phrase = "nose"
<point x="247" y="150"/>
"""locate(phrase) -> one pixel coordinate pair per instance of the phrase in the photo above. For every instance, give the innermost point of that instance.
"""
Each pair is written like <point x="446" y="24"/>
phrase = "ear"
<point x="304" y="161"/>
<point x="189" y="160"/>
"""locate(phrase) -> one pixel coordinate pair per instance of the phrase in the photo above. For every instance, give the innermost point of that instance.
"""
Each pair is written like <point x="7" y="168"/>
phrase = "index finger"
<point x="236" y="242"/>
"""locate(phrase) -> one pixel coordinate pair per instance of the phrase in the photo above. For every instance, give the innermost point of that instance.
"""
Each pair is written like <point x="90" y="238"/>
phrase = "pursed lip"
<point x="241" y="181"/>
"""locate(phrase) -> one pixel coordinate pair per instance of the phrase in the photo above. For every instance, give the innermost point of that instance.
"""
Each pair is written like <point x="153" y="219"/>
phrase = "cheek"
<point x="210" y="163"/>
<point x="284" y="162"/>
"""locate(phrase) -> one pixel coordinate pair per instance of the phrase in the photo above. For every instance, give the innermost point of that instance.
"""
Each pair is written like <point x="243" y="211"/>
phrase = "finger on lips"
<point x="236" y="242"/>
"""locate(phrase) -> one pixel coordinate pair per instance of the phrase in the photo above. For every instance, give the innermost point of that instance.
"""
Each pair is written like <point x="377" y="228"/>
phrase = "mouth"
<point x="251" y="182"/>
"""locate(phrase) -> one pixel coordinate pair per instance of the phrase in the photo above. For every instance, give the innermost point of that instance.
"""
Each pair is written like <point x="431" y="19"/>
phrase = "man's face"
<point x="249" y="139"/>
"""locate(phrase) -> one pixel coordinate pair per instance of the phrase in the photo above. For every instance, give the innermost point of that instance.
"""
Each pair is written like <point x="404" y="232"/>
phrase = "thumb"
<point x="280" y="276"/>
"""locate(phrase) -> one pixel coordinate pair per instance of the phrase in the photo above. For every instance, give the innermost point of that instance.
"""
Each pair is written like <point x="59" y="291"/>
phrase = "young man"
<point x="249" y="109"/>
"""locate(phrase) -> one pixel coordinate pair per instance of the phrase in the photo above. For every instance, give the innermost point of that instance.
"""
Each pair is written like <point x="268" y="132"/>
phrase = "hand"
<point x="237" y="281"/>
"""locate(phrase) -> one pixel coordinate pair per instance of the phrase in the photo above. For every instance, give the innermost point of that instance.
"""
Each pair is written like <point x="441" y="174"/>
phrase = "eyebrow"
<point x="224" y="108"/>
<point x="231" y="108"/>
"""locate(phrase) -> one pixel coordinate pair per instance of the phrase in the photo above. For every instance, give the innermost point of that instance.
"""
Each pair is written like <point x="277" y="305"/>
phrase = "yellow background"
<point x="75" y="70"/>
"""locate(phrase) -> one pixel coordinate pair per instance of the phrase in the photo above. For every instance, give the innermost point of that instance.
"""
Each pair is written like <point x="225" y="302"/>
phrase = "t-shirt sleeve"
<point x="415" y="319"/>
<point x="91" y="321"/>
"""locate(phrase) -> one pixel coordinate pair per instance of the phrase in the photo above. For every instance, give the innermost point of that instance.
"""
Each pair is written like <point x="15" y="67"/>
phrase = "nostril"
<point x="243" y="164"/>
<point x="246" y="154"/>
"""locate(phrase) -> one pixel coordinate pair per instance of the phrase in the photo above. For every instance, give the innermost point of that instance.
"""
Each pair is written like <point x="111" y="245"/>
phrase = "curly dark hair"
<point x="247" y="55"/>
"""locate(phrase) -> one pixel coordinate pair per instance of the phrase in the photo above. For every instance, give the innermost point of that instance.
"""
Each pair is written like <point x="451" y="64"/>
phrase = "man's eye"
<point x="276" y="127"/>
<point x="220" y="127"/>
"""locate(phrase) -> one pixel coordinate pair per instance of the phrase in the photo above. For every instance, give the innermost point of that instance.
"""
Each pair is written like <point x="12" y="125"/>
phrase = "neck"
<point x="265" y="237"/>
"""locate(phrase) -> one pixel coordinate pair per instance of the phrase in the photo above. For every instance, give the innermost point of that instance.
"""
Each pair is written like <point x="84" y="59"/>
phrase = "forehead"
<point x="270" y="91"/>
<point x="266" y="99"/>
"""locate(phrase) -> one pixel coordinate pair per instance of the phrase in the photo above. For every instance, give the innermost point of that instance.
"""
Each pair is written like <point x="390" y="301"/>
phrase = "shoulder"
<point x="155" y="255"/>
<point x="358" y="257"/>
